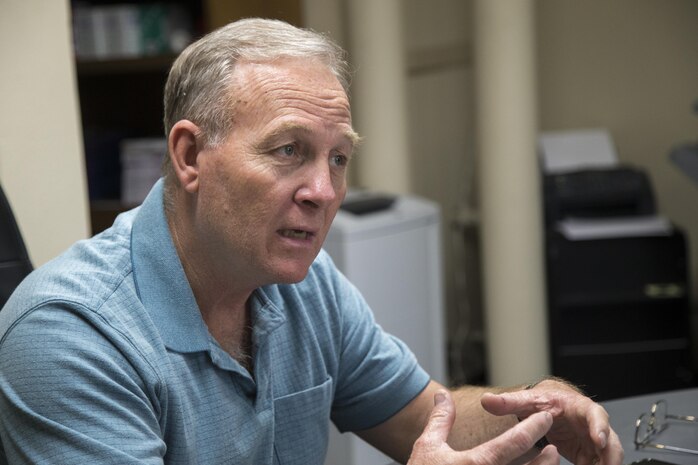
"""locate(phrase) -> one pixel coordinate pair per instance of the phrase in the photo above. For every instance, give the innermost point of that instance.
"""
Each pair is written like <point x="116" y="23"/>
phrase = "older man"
<point x="207" y="326"/>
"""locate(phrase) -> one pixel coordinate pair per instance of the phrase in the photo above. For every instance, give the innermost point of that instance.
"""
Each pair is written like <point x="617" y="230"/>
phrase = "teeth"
<point x="294" y="233"/>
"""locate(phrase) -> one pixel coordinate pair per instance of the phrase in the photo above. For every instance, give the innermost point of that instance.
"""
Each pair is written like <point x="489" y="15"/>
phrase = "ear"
<point x="184" y="149"/>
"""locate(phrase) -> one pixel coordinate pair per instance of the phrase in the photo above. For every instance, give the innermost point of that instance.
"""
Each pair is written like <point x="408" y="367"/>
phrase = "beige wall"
<point x="630" y="66"/>
<point x="41" y="158"/>
<point x="438" y="46"/>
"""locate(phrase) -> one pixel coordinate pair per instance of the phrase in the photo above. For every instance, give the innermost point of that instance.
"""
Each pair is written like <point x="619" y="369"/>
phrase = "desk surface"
<point x="624" y="412"/>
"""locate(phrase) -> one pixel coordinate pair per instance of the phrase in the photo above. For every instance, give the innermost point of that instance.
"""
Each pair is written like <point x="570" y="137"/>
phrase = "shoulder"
<point x="76" y="324"/>
<point x="64" y="378"/>
<point x="86" y="274"/>
<point x="86" y="294"/>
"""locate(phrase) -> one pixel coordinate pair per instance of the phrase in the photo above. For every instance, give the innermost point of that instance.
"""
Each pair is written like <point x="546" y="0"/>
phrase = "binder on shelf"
<point x="121" y="31"/>
<point x="141" y="161"/>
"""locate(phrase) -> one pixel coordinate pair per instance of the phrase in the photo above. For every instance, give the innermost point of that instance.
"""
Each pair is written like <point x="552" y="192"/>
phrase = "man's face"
<point x="269" y="192"/>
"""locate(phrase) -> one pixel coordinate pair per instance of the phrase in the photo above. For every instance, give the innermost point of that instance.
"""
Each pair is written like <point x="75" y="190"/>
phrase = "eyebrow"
<point x="352" y="136"/>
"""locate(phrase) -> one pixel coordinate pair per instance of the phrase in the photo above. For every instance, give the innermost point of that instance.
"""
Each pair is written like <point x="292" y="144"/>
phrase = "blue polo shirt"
<point x="104" y="358"/>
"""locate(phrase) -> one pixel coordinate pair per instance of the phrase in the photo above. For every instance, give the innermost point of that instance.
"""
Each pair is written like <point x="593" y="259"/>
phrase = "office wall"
<point x="630" y="66"/>
<point x="438" y="46"/>
<point x="41" y="158"/>
<point x="41" y="152"/>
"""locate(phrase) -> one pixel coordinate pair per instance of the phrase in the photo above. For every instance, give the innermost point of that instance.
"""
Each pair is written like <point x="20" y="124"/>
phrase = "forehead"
<point x="297" y="85"/>
<point x="297" y="70"/>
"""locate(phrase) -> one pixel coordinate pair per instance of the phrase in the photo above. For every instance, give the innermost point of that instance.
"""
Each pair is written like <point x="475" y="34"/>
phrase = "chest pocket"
<point x="302" y="426"/>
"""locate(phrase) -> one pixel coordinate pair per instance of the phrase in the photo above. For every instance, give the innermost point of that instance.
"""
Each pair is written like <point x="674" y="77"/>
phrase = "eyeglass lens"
<point x="653" y="423"/>
<point x="643" y="429"/>
<point x="658" y="417"/>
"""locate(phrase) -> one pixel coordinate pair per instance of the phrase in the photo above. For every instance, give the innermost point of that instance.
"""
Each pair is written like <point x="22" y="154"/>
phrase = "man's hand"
<point x="580" y="428"/>
<point x="431" y="447"/>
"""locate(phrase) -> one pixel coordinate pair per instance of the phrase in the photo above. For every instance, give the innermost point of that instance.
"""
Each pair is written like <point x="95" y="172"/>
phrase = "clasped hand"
<point x="576" y="427"/>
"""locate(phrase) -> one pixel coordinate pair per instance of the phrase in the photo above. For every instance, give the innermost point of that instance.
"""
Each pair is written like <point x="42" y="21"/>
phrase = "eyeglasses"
<point x="649" y="425"/>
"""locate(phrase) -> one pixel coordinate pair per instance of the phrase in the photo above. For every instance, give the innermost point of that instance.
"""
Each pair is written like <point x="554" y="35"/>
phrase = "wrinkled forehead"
<point x="307" y="87"/>
<point x="304" y="77"/>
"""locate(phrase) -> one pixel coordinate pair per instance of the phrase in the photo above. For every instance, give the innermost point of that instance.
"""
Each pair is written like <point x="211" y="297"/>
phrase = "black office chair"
<point x="14" y="260"/>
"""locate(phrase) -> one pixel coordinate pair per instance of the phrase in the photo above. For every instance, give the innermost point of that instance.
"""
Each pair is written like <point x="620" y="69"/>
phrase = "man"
<point x="207" y="326"/>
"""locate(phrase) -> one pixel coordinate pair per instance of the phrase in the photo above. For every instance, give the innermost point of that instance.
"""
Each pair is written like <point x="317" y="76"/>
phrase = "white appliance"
<point x="393" y="256"/>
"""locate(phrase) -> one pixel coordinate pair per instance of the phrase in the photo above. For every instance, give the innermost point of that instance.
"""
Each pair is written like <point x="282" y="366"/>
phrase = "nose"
<point x="318" y="187"/>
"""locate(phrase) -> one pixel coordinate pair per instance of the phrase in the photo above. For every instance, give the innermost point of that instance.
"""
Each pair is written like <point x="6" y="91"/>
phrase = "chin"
<point x="291" y="278"/>
<point x="291" y="275"/>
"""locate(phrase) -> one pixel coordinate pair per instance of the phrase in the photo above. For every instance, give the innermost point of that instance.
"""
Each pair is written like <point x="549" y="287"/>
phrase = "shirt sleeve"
<point x="70" y="394"/>
<point x="378" y="375"/>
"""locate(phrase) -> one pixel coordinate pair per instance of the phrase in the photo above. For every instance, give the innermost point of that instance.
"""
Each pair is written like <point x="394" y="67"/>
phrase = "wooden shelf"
<point x="103" y="213"/>
<point x="122" y="98"/>
<point x="124" y="66"/>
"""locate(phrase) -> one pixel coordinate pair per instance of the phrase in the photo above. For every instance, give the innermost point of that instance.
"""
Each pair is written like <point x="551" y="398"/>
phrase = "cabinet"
<point x="619" y="313"/>
<point x="120" y="87"/>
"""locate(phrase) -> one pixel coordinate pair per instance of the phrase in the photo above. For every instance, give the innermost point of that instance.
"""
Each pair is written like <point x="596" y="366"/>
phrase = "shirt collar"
<point x="160" y="280"/>
<point x="165" y="291"/>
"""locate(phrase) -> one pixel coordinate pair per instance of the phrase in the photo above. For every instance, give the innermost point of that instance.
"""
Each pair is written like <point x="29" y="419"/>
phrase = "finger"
<point x="516" y="441"/>
<point x="495" y="404"/>
<point x="613" y="453"/>
<point x="440" y="420"/>
<point x="521" y="403"/>
<point x="599" y="427"/>
<point x="548" y="456"/>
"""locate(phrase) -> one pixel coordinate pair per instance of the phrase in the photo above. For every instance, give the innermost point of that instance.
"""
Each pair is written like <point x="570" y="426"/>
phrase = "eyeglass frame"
<point x="652" y="431"/>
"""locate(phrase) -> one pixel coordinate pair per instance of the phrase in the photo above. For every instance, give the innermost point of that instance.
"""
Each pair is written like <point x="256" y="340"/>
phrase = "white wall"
<point x="41" y="154"/>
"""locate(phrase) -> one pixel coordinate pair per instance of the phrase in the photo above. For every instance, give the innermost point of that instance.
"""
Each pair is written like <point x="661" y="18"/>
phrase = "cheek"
<point x="251" y="207"/>
<point x="341" y="191"/>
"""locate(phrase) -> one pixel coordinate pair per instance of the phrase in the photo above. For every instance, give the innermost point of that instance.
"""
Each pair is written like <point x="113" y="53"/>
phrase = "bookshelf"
<point x="120" y="86"/>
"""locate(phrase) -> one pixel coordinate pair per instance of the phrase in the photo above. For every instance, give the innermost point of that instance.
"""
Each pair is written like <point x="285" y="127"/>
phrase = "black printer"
<point x="597" y="192"/>
<point x="618" y="304"/>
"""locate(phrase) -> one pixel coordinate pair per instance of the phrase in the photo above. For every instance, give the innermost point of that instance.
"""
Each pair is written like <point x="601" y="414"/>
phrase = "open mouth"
<point x="295" y="233"/>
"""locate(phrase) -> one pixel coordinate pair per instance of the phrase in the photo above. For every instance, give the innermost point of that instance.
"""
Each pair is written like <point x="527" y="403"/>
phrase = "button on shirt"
<point x="104" y="358"/>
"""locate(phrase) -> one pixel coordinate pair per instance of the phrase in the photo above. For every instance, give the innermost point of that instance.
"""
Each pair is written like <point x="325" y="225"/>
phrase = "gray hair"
<point x="198" y="87"/>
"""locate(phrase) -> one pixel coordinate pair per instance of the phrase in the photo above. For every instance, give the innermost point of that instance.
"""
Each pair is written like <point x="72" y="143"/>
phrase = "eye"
<point x="339" y="160"/>
<point x="289" y="150"/>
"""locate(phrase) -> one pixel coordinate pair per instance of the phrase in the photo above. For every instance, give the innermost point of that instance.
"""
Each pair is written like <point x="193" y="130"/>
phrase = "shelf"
<point x="583" y="300"/>
<point x="103" y="213"/>
<point x="124" y="66"/>
<point x="121" y="98"/>
<point x="621" y="348"/>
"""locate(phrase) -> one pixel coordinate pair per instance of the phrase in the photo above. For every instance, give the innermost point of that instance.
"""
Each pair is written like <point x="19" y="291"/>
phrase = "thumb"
<point x="440" y="420"/>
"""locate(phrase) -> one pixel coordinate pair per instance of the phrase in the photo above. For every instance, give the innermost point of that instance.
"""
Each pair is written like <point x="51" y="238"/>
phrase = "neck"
<point x="232" y="329"/>
<point x="223" y="306"/>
